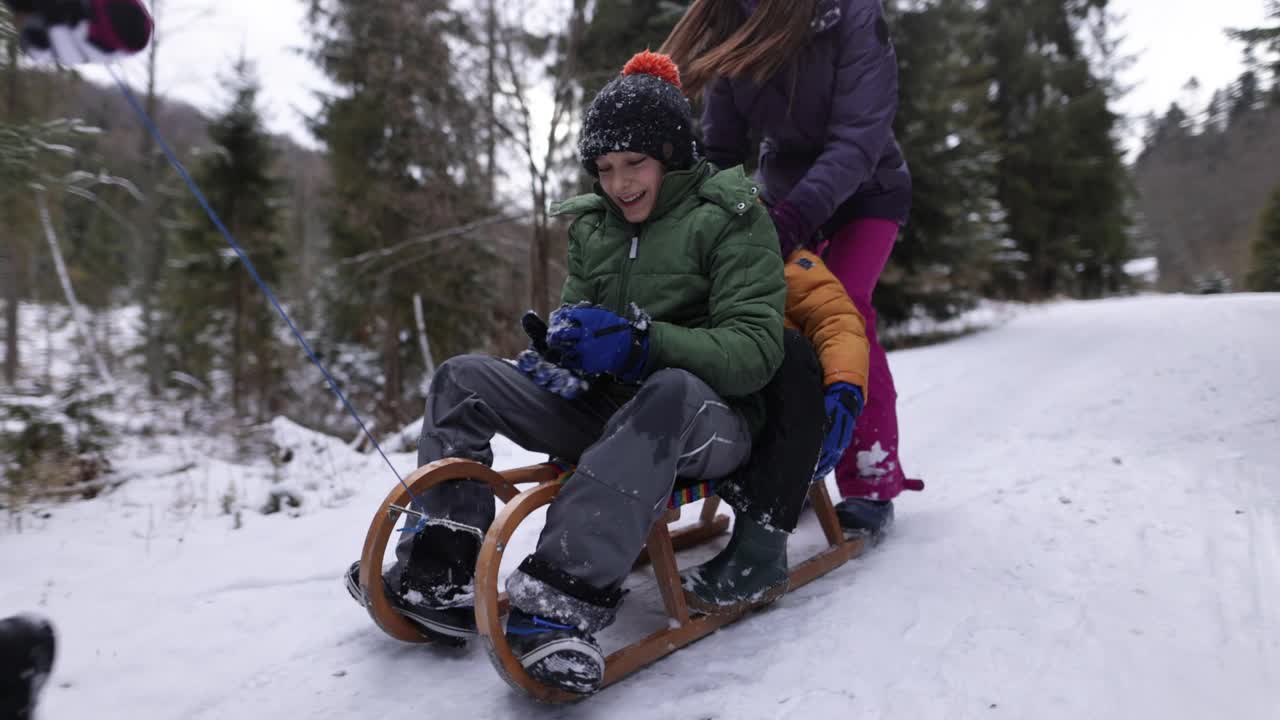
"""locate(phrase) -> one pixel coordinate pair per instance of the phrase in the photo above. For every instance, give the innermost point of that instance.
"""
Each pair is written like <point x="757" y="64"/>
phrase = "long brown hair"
<point x="712" y="40"/>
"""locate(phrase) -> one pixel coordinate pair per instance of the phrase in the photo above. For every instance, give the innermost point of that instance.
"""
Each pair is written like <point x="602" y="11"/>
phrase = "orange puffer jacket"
<point x="819" y="307"/>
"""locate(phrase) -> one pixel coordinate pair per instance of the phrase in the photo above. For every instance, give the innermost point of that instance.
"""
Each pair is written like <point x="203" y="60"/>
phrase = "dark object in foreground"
<point x="26" y="657"/>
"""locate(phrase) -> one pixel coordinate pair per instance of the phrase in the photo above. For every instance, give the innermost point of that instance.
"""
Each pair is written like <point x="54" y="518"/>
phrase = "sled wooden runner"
<point x="385" y="520"/>
<point x="660" y="551"/>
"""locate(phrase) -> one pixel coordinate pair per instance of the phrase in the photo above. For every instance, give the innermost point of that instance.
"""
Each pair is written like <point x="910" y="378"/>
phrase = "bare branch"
<point x="383" y="253"/>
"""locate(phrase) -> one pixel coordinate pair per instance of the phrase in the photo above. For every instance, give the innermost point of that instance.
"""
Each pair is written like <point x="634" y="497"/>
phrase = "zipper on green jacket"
<point x="625" y="280"/>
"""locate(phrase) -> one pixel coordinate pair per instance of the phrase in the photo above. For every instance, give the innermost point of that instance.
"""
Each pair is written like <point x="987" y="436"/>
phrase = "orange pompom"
<point x="651" y="63"/>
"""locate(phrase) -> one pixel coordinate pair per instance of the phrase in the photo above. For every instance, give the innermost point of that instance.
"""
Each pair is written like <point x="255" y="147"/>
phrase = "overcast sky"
<point x="1172" y="40"/>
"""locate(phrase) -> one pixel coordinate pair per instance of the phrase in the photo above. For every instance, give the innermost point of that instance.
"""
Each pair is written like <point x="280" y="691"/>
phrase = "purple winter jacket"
<point x="828" y="148"/>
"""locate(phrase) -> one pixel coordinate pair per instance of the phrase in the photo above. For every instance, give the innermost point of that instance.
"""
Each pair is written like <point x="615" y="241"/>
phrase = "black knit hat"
<point x="642" y="110"/>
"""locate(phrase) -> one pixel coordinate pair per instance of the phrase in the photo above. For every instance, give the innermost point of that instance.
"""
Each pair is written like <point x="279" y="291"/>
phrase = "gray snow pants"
<point x="628" y="456"/>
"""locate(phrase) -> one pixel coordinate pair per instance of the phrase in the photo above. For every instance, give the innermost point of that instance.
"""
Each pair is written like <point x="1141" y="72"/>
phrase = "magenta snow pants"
<point x="870" y="467"/>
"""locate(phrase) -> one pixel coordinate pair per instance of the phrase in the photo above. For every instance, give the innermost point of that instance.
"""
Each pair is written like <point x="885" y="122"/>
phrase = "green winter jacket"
<point x="706" y="268"/>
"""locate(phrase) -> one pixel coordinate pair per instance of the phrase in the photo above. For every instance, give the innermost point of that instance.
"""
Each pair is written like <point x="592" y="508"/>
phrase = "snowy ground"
<point x="1100" y="539"/>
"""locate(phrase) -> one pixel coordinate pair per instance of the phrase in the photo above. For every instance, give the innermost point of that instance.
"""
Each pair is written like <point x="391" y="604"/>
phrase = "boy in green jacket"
<point x="674" y="313"/>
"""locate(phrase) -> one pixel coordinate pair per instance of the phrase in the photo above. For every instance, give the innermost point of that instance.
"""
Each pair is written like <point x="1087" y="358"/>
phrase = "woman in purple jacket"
<point x="816" y="82"/>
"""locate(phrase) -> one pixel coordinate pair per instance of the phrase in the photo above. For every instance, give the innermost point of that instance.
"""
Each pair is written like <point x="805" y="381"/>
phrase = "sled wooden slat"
<point x="821" y="501"/>
<point x="532" y="474"/>
<point x="709" y="507"/>
<point x="687" y="537"/>
<point x="824" y="562"/>
<point x="666" y="573"/>
<point x="384" y="526"/>
<point x="628" y="660"/>
<point x="631" y="658"/>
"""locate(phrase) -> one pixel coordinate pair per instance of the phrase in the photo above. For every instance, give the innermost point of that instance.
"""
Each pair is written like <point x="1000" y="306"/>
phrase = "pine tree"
<point x="1246" y="95"/>
<point x="617" y="30"/>
<point x="1167" y="129"/>
<point x="1264" y="274"/>
<point x="1061" y="177"/>
<point x="947" y="252"/>
<point x="405" y="153"/>
<point x="1218" y="113"/>
<point x="1266" y="39"/>
<point x="218" y="319"/>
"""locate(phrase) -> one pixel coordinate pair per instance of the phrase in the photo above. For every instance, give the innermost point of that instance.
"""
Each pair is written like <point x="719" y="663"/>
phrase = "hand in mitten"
<point x="597" y="340"/>
<point x="539" y="361"/>
<point x="844" y="404"/>
<point x="793" y="231"/>
<point x="551" y="377"/>
<point x="80" y="31"/>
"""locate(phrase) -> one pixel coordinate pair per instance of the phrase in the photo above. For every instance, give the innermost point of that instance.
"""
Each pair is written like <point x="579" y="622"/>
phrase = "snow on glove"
<point x="551" y="377"/>
<point x="844" y="404"/>
<point x="597" y="340"/>
<point x="71" y="32"/>
<point x="793" y="231"/>
<point x="539" y="361"/>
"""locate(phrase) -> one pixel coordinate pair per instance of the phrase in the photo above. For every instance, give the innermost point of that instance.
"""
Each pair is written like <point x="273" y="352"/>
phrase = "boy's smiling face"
<point x="631" y="180"/>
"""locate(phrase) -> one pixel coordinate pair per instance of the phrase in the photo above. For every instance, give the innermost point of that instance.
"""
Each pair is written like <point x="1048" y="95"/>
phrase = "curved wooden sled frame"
<point x="491" y="605"/>
<point x="661" y="552"/>
<point x="504" y="485"/>
<point x="384" y="525"/>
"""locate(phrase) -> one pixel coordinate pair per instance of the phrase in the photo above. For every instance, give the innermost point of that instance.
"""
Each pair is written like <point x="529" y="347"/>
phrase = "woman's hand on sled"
<point x="844" y="404"/>
<point x="597" y="340"/>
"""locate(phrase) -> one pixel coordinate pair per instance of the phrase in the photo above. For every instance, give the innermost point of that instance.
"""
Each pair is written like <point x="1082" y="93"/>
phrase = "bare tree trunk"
<point x="541" y="177"/>
<point x="10" y="278"/>
<point x="540" y="293"/>
<point x="153" y="247"/>
<point x="428" y="361"/>
<point x="237" y="343"/>
<point x="77" y="312"/>
<point x="10" y="250"/>
<point x="392" y="370"/>
<point x="491" y="27"/>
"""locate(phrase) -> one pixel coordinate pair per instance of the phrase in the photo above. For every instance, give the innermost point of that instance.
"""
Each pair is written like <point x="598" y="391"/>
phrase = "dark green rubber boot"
<point x="750" y="571"/>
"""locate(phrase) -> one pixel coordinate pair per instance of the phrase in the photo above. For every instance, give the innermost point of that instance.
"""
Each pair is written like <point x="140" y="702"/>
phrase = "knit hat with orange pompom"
<point x="642" y="110"/>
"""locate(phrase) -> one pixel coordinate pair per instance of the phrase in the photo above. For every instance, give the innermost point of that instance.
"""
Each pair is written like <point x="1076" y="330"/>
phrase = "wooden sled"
<point x="491" y="604"/>
<point x="505" y="486"/>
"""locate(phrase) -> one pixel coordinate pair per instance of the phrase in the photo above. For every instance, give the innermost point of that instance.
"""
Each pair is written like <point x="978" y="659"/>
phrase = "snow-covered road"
<point x="1100" y="538"/>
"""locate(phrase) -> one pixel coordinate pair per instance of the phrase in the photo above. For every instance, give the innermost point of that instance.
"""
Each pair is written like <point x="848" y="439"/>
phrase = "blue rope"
<point x="195" y="190"/>
<point x="538" y="626"/>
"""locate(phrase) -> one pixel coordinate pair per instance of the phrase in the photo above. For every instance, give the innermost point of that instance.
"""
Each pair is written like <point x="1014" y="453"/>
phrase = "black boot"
<point x="863" y="517"/>
<point x="438" y="564"/>
<point x="447" y="626"/>
<point x="26" y="658"/>
<point x="554" y="653"/>
<point x="432" y="583"/>
<point x="750" y="571"/>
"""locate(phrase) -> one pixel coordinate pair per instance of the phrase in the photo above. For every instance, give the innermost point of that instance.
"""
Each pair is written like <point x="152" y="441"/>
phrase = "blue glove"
<point x="596" y="340"/>
<point x="551" y="377"/>
<point x="844" y="405"/>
